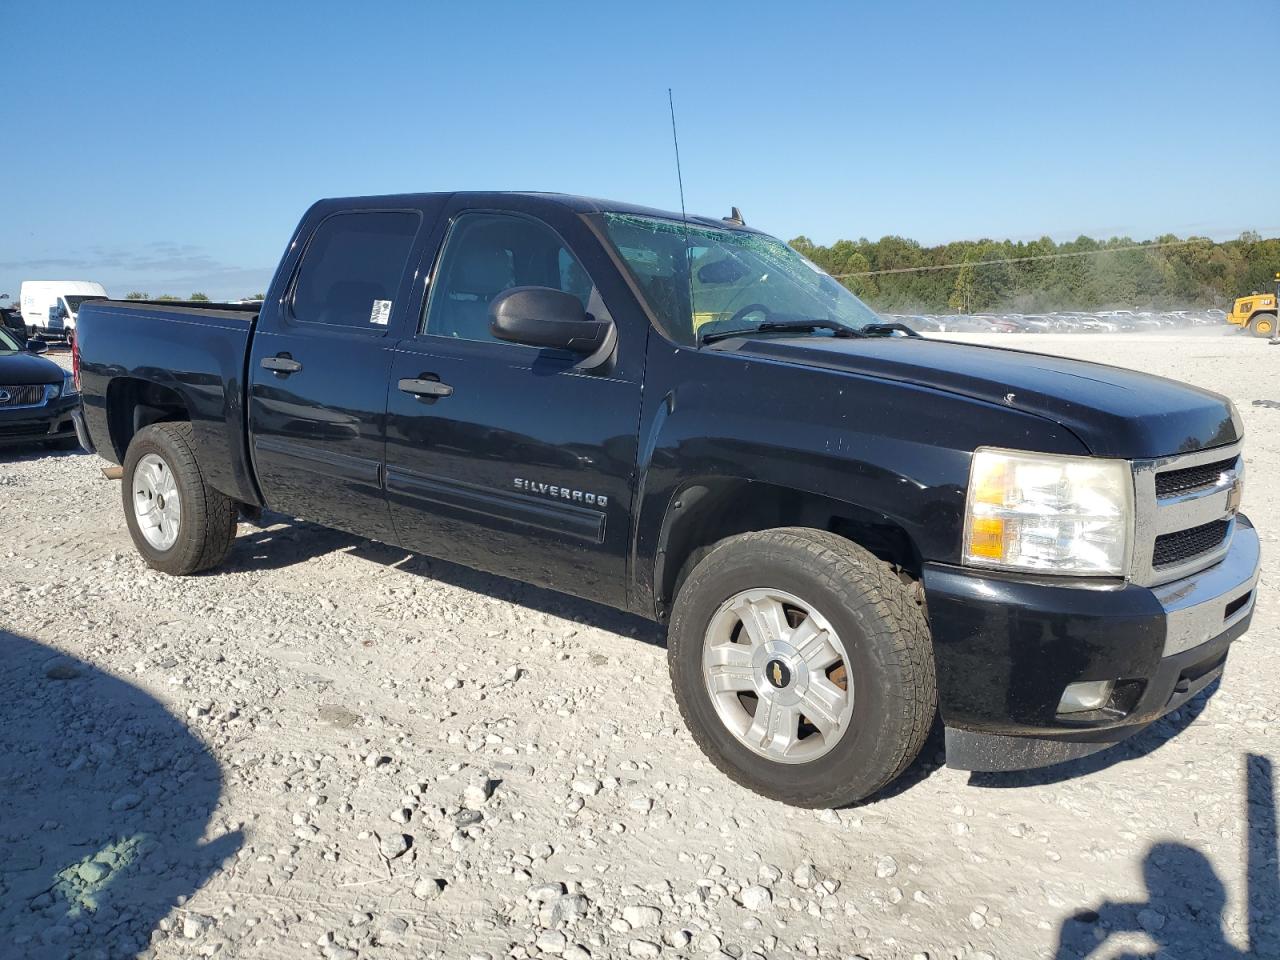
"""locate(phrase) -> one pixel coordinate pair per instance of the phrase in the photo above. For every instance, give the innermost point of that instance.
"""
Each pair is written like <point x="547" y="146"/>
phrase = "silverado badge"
<point x="561" y="493"/>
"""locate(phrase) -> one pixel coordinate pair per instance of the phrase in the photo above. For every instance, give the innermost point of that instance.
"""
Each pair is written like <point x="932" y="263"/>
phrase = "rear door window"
<point x="352" y="269"/>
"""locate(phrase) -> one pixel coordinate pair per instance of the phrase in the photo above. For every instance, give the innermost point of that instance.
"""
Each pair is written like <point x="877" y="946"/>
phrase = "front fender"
<point x="878" y="451"/>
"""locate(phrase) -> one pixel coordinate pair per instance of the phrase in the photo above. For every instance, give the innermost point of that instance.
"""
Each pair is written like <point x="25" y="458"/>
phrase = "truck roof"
<point x="574" y="202"/>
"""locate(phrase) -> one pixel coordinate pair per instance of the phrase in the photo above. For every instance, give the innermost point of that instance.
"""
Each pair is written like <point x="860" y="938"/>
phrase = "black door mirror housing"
<point x="37" y="346"/>
<point x="543" y="317"/>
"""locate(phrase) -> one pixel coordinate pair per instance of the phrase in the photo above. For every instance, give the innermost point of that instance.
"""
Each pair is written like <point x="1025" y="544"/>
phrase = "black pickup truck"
<point x="848" y="528"/>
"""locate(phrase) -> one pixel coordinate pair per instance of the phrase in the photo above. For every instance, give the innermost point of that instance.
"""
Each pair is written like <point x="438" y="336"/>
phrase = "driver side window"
<point x="487" y="253"/>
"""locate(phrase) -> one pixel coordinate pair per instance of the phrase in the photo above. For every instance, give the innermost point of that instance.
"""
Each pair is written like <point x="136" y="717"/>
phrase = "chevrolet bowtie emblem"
<point x="1235" y="496"/>
<point x="777" y="673"/>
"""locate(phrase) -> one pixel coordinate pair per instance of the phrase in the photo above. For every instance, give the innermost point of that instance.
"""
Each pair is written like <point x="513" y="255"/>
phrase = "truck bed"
<point x="181" y="360"/>
<point x="243" y="312"/>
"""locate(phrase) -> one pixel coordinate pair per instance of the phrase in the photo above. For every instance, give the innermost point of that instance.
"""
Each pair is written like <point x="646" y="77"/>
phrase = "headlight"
<point x="68" y="385"/>
<point x="1046" y="513"/>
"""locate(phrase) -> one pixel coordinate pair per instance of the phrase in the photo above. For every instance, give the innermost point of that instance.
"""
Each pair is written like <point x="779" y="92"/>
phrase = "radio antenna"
<point x="688" y="265"/>
<point x="675" y="140"/>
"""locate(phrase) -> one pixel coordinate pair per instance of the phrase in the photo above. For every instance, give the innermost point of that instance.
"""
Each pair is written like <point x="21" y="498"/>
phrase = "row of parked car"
<point x="1066" y="321"/>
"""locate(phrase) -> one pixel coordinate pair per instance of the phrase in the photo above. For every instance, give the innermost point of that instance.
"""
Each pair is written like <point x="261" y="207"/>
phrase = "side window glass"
<point x="486" y="254"/>
<point x="352" y="268"/>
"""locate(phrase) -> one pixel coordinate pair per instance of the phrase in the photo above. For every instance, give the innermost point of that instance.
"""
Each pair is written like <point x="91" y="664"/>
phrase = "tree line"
<point x="197" y="296"/>
<point x="898" y="275"/>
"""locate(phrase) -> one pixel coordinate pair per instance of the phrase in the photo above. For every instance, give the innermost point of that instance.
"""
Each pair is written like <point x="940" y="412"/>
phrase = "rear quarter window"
<point x="352" y="267"/>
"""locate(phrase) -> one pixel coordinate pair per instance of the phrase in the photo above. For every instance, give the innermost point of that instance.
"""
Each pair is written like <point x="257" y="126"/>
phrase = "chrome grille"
<point x="22" y="395"/>
<point x="1184" y="513"/>
<point x="1185" y="545"/>
<point x="1174" y="483"/>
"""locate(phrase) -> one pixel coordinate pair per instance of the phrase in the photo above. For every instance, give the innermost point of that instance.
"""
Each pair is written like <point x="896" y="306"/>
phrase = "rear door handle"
<point x="281" y="364"/>
<point x="426" y="387"/>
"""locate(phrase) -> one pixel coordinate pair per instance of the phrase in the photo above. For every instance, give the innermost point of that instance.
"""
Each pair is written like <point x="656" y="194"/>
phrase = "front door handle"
<point x="426" y="387"/>
<point x="281" y="364"/>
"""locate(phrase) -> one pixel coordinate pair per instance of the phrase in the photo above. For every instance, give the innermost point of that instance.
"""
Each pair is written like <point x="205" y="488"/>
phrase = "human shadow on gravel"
<point x="1186" y="897"/>
<point x="282" y="542"/>
<point x="1148" y="741"/>
<point x="104" y="799"/>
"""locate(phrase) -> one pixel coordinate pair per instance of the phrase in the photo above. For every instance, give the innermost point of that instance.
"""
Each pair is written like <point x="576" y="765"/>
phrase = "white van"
<point x="49" y="307"/>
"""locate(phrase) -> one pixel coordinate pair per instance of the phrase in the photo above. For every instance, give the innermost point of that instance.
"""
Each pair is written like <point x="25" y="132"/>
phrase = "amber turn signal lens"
<point x="986" y="538"/>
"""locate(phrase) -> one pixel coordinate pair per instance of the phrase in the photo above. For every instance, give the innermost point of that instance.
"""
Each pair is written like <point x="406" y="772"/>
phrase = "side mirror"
<point x="542" y="317"/>
<point x="37" y="346"/>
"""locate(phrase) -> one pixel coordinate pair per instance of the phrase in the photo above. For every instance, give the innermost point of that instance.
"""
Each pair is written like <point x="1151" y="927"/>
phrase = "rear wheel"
<point x="1263" y="324"/>
<point x="802" y="666"/>
<point x="179" y="523"/>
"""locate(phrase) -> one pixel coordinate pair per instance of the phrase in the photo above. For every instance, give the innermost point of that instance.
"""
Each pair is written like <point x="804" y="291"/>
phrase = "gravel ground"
<point x="331" y="750"/>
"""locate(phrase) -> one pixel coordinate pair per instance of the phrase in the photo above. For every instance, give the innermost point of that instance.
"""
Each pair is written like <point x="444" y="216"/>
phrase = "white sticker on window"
<point x="381" y="312"/>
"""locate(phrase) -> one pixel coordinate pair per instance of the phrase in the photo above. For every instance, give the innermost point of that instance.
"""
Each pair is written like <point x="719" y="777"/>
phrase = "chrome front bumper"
<point x="1205" y="604"/>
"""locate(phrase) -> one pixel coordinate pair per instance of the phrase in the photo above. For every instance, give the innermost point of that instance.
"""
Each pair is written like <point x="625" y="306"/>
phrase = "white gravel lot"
<point x="332" y="750"/>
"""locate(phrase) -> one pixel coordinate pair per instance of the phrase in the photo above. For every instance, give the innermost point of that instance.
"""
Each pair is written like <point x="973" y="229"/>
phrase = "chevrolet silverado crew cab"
<point x="849" y="529"/>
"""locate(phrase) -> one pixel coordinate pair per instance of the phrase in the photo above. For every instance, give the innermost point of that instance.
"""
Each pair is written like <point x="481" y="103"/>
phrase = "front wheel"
<point x="177" y="521"/>
<point x="1263" y="325"/>
<point x="802" y="666"/>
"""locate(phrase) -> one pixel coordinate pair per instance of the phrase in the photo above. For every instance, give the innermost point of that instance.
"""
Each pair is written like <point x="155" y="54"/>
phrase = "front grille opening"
<point x="24" y="395"/>
<point x="1174" y="548"/>
<point x="1175" y="483"/>
<point x="1236" y="605"/>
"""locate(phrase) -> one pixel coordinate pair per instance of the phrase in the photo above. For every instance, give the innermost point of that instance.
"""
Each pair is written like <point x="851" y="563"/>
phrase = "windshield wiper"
<point x="785" y="326"/>
<point x="888" y="329"/>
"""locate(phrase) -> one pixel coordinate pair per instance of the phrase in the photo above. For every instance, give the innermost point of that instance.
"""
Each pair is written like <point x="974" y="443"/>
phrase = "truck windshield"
<point x="703" y="281"/>
<point x="73" y="303"/>
<point x="7" y="343"/>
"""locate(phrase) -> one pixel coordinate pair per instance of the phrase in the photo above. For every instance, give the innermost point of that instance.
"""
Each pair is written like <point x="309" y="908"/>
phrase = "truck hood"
<point x="1115" y="412"/>
<point x="21" y="368"/>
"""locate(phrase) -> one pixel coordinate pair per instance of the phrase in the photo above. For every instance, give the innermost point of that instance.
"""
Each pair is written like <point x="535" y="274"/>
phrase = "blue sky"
<point x="172" y="147"/>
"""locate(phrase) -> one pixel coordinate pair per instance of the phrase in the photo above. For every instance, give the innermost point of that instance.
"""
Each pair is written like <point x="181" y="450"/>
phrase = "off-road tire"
<point x="879" y="618"/>
<point x="208" y="524"/>
<point x="1262" y="319"/>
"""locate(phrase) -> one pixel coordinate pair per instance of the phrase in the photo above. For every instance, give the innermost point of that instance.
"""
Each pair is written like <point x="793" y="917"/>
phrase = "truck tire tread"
<point x="209" y="518"/>
<point x="903" y="650"/>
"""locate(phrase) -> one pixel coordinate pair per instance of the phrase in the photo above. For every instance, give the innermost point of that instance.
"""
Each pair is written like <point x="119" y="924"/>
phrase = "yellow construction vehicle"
<point x="1255" y="313"/>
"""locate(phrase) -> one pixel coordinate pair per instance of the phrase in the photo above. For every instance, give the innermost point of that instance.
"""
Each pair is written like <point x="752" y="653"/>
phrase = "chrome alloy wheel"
<point x="156" y="504"/>
<point x="778" y="675"/>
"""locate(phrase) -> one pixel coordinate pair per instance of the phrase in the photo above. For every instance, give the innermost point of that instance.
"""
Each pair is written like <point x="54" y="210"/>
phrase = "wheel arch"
<point x="133" y="403"/>
<point x="706" y="511"/>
